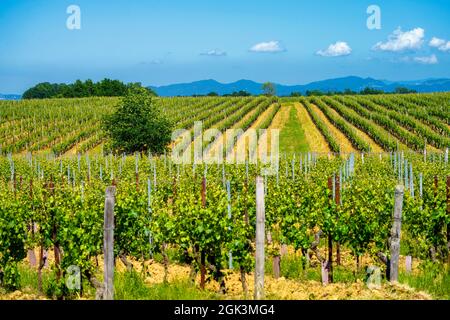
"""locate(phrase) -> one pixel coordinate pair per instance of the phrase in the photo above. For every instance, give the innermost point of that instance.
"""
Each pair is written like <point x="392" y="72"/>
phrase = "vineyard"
<point x="329" y="202"/>
<point x="382" y="123"/>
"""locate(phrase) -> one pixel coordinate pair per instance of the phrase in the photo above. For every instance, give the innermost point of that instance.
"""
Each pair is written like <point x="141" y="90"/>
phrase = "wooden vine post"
<point x="408" y="264"/>
<point x="260" y="235"/>
<point x="396" y="233"/>
<point x="436" y="186"/>
<point x="108" y="244"/>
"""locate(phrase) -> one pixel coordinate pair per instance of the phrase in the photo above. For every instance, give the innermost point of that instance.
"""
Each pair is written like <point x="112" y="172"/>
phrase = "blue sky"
<point x="162" y="42"/>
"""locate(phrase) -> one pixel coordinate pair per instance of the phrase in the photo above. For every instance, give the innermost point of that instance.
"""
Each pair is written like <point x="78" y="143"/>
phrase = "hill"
<point x="339" y="84"/>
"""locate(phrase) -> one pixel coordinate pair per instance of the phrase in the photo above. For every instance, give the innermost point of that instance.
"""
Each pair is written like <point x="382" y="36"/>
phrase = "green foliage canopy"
<point x="80" y="89"/>
<point x="269" y="89"/>
<point x="138" y="125"/>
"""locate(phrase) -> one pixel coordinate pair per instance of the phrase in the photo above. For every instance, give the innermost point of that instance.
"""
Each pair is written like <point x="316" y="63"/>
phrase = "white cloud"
<point x="427" y="60"/>
<point x="436" y="42"/>
<point x="445" y="47"/>
<point x="214" y="53"/>
<point x="441" y="44"/>
<point x="337" y="49"/>
<point x="270" y="46"/>
<point x="400" y="41"/>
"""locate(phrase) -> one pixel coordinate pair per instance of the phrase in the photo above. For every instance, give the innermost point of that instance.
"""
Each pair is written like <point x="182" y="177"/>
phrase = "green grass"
<point x="433" y="278"/>
<point x="29" y="278"/>
<point x="291" y="268"/>
<point x="130" y="286"/>
<point x="127" y="286"/>
<point x="29" y="284"/>
<point x="292" y="136"/>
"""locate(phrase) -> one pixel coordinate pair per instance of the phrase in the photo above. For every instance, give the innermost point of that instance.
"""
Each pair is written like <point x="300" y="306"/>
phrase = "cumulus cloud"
<point x="446" y="47"/>
<point x="214" y="53"/>
<point x="337" y="49"/>
<point x="400" y="41"/>
<point x="270" y="46"/>
<point x="441" y="44"/>
<point x="427" y="60"/>
<point x="436" y="42"/>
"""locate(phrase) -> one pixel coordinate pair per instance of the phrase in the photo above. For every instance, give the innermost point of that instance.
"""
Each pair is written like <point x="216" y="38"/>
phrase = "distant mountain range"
<point x="339" y="84"/>
<point x="10" y="96"/>
<point x="353" y="83"/>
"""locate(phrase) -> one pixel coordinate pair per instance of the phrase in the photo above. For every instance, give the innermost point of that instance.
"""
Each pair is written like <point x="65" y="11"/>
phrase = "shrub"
<point x="138" y="125"/>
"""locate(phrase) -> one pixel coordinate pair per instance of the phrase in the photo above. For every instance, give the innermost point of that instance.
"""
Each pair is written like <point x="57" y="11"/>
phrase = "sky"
<point x="173" y="41"/>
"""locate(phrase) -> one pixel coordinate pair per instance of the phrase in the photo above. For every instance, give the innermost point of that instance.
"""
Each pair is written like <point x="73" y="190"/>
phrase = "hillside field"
<point x="346" y="123"/>
<point x="188" y="230"/>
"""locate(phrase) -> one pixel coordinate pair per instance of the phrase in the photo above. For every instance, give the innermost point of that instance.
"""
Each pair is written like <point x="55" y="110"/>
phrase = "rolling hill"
<point x="339" y="84"/>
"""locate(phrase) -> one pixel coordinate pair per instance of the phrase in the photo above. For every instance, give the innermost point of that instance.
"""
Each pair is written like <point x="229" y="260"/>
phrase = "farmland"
<point x="330" y="198"/>
<point x="347" y="123"/>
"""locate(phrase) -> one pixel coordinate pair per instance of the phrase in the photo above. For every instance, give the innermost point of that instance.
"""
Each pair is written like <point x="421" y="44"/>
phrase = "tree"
<point x="349" y="92"/>
<point x="41" y="91"/>
<point x="89" y="87"/>
<point x="369" y="90"/>
<point x="137" y="85"/>
<point x="296" y="94"/>
<point x="310" y="93"/>
<point x="403" y="90"/>
<point x="240" y="93"/>
<point x="138" y="124"/>
<point x="212" y="94"/>
<point x="79" y="89"/>
<point x="269" y="89"/>
<point x="104" y="88"/>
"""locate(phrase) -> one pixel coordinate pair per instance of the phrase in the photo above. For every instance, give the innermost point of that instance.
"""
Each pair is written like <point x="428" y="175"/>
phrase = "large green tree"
<point x="138" y="124"/>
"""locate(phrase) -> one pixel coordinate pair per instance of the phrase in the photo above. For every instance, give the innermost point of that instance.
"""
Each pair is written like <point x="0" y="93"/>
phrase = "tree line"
<point x="81" y="89"/>
<point x="365" y="91"/>
<point x="269" y="89"/>
<point x="116" y="88"/>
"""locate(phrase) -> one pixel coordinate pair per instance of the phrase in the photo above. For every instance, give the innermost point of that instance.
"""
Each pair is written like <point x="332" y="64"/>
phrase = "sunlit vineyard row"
<point x="393" y="122"/>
